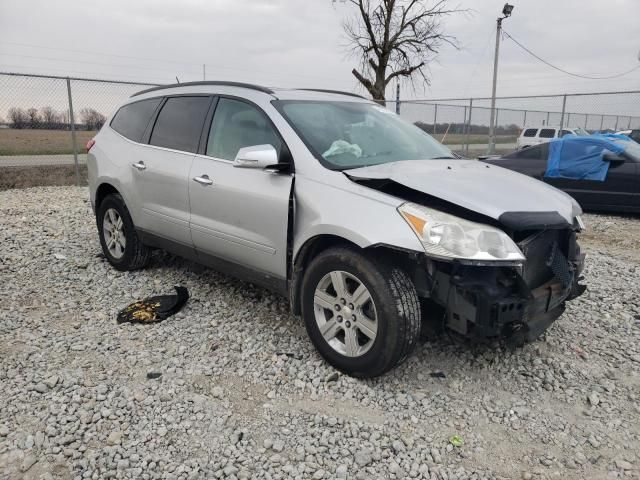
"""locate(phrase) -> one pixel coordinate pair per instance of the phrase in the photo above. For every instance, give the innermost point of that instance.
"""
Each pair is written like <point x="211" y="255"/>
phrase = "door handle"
<point x="140" y="165"/>
<point x="203" y="180"/>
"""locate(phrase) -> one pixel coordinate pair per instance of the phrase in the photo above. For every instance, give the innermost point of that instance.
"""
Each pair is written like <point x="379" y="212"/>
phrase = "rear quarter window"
<point x="179" y="123"/>
<point x="530" y="132"/>
<point x="547" y="133"/>
<point x="131" y="120"/>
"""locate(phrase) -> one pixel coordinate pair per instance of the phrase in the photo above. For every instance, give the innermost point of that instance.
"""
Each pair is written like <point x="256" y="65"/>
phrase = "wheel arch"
<point x="102" y="191"/>
<point x="319" y="243"/>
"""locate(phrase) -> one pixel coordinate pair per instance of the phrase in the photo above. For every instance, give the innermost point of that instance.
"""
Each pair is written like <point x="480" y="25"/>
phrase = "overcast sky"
<point x="300" y="43"/>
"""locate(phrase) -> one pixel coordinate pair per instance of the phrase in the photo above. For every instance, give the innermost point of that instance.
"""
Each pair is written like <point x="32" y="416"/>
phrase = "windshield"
<point x="345" y="135"/>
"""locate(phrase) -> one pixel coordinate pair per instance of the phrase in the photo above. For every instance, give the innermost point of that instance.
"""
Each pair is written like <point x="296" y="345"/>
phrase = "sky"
<point x="300" y="43"/>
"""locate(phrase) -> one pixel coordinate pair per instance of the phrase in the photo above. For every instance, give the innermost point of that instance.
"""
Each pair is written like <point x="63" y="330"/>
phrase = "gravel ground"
<point x="241" y="392"/>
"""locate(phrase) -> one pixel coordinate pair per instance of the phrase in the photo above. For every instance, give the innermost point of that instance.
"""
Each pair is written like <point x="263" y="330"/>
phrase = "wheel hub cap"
<point x="113" y="232"/>
<point x="345" y="313"/>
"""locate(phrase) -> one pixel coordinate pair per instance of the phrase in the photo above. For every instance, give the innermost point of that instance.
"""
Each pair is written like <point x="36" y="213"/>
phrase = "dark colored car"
<point x="618" y="191"/>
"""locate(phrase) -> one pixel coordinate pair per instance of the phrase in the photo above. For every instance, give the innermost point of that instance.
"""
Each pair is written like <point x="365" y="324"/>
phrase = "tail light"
<point x="90" y="144"/>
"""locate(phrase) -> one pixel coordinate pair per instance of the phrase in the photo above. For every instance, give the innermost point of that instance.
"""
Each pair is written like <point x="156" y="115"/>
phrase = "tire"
<point x="392" y="301"/>
<point x="129" y="254"/>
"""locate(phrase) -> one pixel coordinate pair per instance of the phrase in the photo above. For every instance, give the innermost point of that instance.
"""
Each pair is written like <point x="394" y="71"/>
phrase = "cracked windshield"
<point x="345" y="135"/>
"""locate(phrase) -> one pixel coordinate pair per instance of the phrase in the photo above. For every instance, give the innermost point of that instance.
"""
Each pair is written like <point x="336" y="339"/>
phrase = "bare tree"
<point x="18" y="117"/>
<point x="396" y="39"/>
<point x="92" y="119"/>
<point x="50" y="117"/>
<point x="34" y="117"/>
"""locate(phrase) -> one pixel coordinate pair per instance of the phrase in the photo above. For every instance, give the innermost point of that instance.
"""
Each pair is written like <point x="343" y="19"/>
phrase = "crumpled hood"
<point x="474" y="185"/>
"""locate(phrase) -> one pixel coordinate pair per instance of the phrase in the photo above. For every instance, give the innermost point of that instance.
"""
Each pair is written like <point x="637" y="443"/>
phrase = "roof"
<point x="279" y="93"/>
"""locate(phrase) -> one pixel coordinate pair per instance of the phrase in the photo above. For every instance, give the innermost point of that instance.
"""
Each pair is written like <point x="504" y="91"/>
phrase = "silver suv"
<point x="370" y="227"/>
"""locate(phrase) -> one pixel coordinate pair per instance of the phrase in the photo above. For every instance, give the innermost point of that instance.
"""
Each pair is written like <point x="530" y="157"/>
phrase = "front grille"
<point x="545" y="253"/>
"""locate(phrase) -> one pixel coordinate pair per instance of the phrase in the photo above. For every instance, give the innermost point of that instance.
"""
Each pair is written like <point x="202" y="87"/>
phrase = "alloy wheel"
<point x="113" y="232"/>
<point x="345" y="313"/>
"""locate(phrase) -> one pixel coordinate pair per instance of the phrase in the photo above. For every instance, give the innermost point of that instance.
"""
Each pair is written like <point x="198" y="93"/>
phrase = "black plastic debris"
<point x="437" y="375"/>
<point x="154" y="309"/>
<point x="153" y="375"/>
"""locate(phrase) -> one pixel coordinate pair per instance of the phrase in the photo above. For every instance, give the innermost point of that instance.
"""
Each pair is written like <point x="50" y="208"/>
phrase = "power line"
<point x="213" y="66"/>
<point x="565" y="71"/>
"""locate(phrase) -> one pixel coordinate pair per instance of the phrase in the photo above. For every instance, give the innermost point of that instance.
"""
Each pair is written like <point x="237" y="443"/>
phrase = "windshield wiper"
<point x="445" y="158"/>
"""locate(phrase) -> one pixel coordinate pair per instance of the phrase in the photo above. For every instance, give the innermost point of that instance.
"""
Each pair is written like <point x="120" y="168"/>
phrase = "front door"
<point x="619" y="189"/>
<point x="163" y="166"/>
<point x="240" y="215"/>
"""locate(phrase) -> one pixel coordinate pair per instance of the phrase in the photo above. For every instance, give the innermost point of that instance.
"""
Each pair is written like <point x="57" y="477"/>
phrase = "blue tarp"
<point x="580" y="158"/>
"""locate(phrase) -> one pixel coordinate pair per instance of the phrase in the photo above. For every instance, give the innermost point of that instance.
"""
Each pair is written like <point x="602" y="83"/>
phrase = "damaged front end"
<point x="500" y="251"/>
<point x="516" y="302"/>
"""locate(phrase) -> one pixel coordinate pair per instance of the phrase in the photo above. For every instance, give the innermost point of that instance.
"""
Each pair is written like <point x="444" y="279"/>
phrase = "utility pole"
<point x="506" y="12"/>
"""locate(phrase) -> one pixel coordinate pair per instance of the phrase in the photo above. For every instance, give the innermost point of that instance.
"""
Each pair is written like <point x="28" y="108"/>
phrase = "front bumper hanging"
<point x="493" y="301"/>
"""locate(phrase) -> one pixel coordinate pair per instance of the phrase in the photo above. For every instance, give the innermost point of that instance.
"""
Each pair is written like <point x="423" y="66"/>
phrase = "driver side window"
<point x="236" y="125"/>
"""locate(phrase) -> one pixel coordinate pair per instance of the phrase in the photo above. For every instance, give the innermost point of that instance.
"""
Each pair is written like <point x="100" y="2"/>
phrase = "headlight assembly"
<point x="449" y="237"/>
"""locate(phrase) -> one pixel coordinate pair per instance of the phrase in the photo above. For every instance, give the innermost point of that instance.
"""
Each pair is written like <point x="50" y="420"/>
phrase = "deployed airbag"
<point x="580" y="158"/>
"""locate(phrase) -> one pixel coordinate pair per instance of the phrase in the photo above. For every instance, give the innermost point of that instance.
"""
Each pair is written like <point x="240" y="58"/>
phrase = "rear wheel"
<point x="362" y="315"/>
<point x="118" y="237"/>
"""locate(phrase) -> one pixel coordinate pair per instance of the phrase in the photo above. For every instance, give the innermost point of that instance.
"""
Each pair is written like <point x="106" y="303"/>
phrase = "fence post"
<point x="616" y="127"/>
<point x="629" y="124"/>
<point x="73" y="132"/>
<point x="464" y="124"/>
<point x="495" y="127"/>
<point x="466" y="138"/>
<point x="435" y="118"/>
<point x="524" y="120"/>
<point x="548" y="118"/>
<point x="586" y="119"/>
<point x="568" y="118"/>
<point x="601" y="121"/>
<point x="564" y="104"/>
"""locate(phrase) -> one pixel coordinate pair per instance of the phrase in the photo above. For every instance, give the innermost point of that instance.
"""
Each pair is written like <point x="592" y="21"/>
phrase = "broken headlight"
<point x="449" y="237"/>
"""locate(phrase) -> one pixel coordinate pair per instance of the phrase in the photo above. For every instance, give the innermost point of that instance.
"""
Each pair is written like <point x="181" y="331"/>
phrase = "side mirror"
<point x="257" y="156"/>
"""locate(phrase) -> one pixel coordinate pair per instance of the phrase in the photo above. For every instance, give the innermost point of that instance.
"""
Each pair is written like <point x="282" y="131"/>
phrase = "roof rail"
<point x="206" y="82"/>
<point x="339" y="92"/>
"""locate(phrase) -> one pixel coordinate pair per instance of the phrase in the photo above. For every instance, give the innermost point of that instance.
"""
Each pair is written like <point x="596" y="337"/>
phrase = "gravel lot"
<point x="243" y="394"/>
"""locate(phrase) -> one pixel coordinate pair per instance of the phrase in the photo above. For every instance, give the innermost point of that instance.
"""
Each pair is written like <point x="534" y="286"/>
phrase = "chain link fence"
<point x="463" y="124"/>
<point x="47" y="120"/>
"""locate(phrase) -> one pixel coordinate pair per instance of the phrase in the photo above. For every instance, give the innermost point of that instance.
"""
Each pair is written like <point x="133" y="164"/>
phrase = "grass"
<point x="41" y="142"/>
<point x="58" y="142"/>
<point x="459" y="138"/>
<point x="40" y="176"/>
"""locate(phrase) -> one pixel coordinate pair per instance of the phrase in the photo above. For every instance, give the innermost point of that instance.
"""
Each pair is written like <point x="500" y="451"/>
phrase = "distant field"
<point x="40" y="142"/>
<point x="459" y="138"/>
<point x="53" y="142"/>
<point x="46" y="175"/>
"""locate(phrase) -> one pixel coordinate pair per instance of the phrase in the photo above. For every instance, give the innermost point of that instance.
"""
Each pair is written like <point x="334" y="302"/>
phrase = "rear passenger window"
<point x="547" y="133"/>
<point x="530" y="132"/>
<point x="131" y="120"/>
<point x="566" y="132"/>
<point x="180" y="122"/>
<point x="236" y="125"/>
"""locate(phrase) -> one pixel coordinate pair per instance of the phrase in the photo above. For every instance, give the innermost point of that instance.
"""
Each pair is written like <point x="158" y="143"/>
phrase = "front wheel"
<point x="362" y="315"/>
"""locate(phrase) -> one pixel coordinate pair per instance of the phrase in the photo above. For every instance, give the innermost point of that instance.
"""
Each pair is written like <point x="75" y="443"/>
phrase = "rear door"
<point x="162" y="167"/>
<point x="619" y="190"/>
<point x="528" y="137"/>
<point x="546" y="134"/>
<point x="242" y="215"/>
